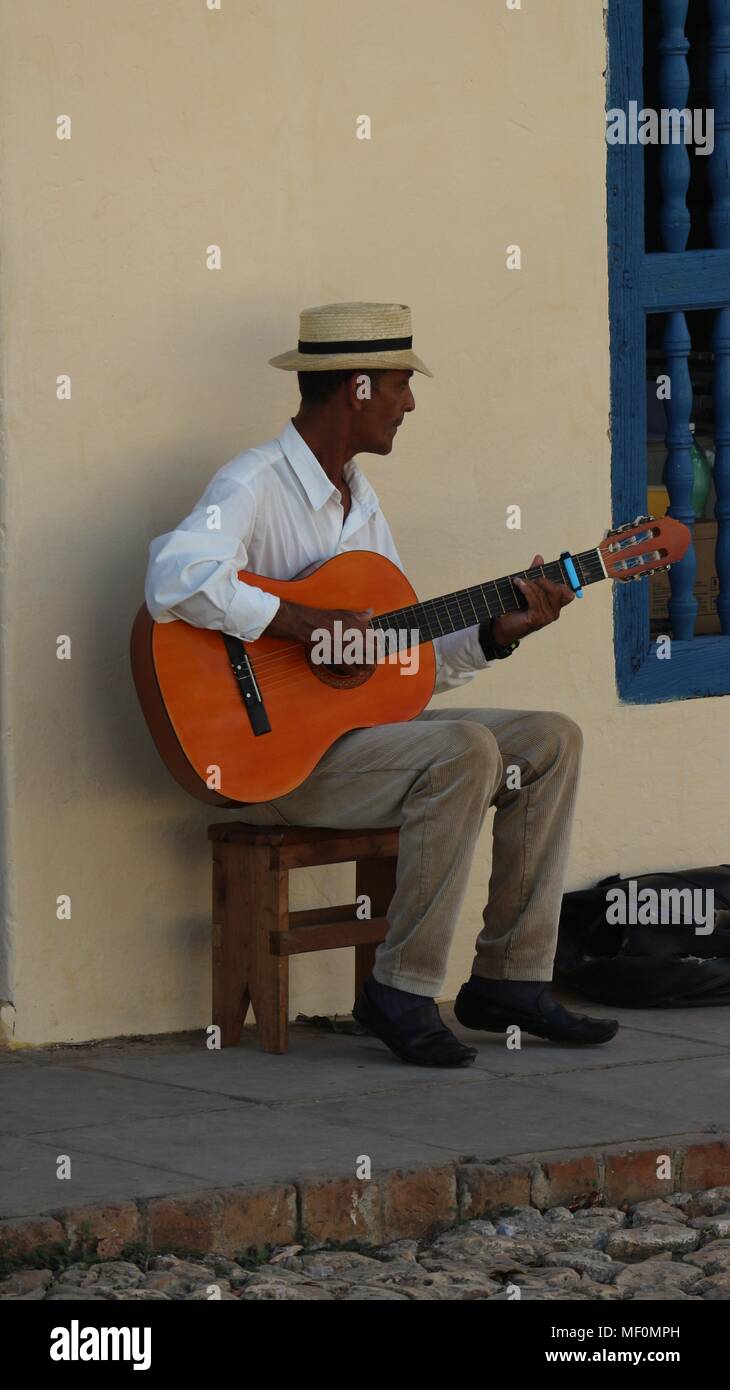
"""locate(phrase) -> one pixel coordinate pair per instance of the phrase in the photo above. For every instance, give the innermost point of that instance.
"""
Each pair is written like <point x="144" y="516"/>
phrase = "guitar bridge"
<point x="248" y="686"/>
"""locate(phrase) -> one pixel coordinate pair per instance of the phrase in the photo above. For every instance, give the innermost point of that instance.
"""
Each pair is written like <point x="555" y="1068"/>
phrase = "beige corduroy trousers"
<point x="435" y="777"/>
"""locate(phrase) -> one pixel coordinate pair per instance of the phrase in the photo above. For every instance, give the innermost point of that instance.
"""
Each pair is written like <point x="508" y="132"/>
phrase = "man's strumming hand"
<point x="545" y="602"/>
<point x="295" y="620"/>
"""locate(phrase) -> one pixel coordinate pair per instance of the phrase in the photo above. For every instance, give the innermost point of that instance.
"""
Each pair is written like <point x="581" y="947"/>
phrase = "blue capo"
<point x="571" y="572"/>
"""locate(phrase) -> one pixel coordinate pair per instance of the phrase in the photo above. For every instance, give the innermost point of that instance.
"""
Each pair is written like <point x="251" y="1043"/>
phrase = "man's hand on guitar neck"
<point x="545" y="602"/>
<point x="298" y="622"/>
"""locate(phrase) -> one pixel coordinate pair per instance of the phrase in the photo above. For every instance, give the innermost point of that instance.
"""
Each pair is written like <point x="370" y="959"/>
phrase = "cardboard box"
<point x="706" y="587"/>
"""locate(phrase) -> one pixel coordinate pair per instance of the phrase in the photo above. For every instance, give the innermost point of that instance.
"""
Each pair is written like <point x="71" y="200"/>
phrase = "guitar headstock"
<point x="644" y="546"/>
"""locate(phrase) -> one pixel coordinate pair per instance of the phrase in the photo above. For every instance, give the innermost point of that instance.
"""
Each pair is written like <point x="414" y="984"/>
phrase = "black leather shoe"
<point x="546" y="1018"/>
<point x="419" y="1037"/>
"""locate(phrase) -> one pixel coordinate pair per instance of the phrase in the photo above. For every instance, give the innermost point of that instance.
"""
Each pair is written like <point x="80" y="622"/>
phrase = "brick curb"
<point x="400" y="1203"/>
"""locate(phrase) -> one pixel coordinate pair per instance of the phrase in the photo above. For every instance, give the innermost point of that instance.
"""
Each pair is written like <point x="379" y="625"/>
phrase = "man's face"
<point x="380" y="418"/>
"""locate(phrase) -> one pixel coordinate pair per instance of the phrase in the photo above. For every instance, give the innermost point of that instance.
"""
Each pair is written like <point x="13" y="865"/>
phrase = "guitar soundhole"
<point x="340" y="677"/>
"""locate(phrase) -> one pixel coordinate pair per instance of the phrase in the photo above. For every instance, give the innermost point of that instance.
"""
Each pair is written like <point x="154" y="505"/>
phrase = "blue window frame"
<point x="673" y="282"/>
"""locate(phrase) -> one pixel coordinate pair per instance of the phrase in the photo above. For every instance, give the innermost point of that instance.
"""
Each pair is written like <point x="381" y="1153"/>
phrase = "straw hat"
<point x="333" y="337"/>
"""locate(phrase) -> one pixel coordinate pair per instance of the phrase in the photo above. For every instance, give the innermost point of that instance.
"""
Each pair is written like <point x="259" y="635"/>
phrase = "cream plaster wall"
<point x="237" y="127"/>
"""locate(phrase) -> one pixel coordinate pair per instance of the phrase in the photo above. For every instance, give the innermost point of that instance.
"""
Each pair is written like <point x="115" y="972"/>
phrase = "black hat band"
<point x="361" y="345"/>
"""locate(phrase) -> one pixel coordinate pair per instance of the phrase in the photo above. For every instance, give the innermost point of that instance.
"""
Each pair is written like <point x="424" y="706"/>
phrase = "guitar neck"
<point x="453" y="612"/>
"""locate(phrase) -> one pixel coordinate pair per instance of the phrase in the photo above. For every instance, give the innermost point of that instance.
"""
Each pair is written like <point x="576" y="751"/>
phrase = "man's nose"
<point x="410" y="403"/>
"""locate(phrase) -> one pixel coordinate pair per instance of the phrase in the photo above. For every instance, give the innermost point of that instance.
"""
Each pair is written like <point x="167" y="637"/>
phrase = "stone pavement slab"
<point x="37" y="1099"/>
<point x="242" y="1145"/>
<point x="694" y="1025"/>
<point x="149" y="1117"/>
<point x="322" y="1066"/>
<point x="495" y="1118"/>
<point x="29" y="1185"/>
<point x="697" y="1090"/>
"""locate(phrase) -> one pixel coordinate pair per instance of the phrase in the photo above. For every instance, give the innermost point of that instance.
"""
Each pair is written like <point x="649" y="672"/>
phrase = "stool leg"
<point x="232" y="915"/>
<point x="269" y="974"/>
<point x="376" y="877"/>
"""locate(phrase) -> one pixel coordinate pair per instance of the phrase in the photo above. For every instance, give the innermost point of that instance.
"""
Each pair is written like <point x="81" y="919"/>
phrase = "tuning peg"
<point x="629" y="525"/>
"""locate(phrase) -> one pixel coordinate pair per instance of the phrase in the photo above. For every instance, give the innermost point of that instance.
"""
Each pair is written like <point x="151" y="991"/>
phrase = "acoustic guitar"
<point x="241" y="722"/>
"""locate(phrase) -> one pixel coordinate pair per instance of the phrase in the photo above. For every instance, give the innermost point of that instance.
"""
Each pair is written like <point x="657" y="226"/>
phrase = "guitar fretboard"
<point x="465" y="607"/>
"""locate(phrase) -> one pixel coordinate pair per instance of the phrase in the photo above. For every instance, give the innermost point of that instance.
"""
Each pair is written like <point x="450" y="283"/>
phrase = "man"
<point x="294" y="502"/>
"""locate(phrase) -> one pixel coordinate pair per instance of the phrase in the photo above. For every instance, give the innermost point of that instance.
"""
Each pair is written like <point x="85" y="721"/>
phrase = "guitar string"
<point x="294" y="672"/>
<point x="440" y="606"/>
<point x="589" y="565"/>
<point x="442" y="614"/>
<point x="282" y="661"/>
<point x="280" y="678"/>
<point x="276" y="680"/>
<point x="270" y="664"/>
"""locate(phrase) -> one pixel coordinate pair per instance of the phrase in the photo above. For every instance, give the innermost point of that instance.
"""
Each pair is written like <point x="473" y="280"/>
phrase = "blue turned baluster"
<point x="718" y="87"/>
<point x="721" y="347"/>
<point x="678" y="475"/>
<point x="674" y="165"/>
<point x="719" y="178"/>
<point x="674" y="221"/>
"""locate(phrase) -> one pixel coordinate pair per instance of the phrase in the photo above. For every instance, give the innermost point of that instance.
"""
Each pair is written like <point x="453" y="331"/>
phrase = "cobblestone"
<point x="673" y="1249"/>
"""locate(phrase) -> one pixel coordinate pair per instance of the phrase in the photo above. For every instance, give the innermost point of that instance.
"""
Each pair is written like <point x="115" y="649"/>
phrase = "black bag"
<point x="646" y="965"/>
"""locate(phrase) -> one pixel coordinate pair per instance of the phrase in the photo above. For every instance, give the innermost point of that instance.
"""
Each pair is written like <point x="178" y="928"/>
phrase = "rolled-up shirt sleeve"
<point x="192" y="571"/>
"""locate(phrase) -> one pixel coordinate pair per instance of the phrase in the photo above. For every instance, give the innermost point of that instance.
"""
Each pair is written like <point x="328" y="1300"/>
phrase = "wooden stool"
<point x="254" y="933"/>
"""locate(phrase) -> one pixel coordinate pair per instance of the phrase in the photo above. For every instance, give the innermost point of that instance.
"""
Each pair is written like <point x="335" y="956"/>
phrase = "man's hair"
<point x="318" y="387"/>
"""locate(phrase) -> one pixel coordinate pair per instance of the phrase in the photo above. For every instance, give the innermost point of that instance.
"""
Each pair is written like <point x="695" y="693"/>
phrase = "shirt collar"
<point x="313" y="478"/>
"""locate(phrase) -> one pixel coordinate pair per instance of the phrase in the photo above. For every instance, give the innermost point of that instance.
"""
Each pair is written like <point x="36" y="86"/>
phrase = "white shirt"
<point x="274" y="511"/>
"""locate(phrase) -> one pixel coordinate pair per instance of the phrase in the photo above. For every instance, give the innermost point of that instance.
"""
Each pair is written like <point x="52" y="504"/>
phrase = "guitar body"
<point x="196" y="713"/>
<point x="249" y="724"/>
